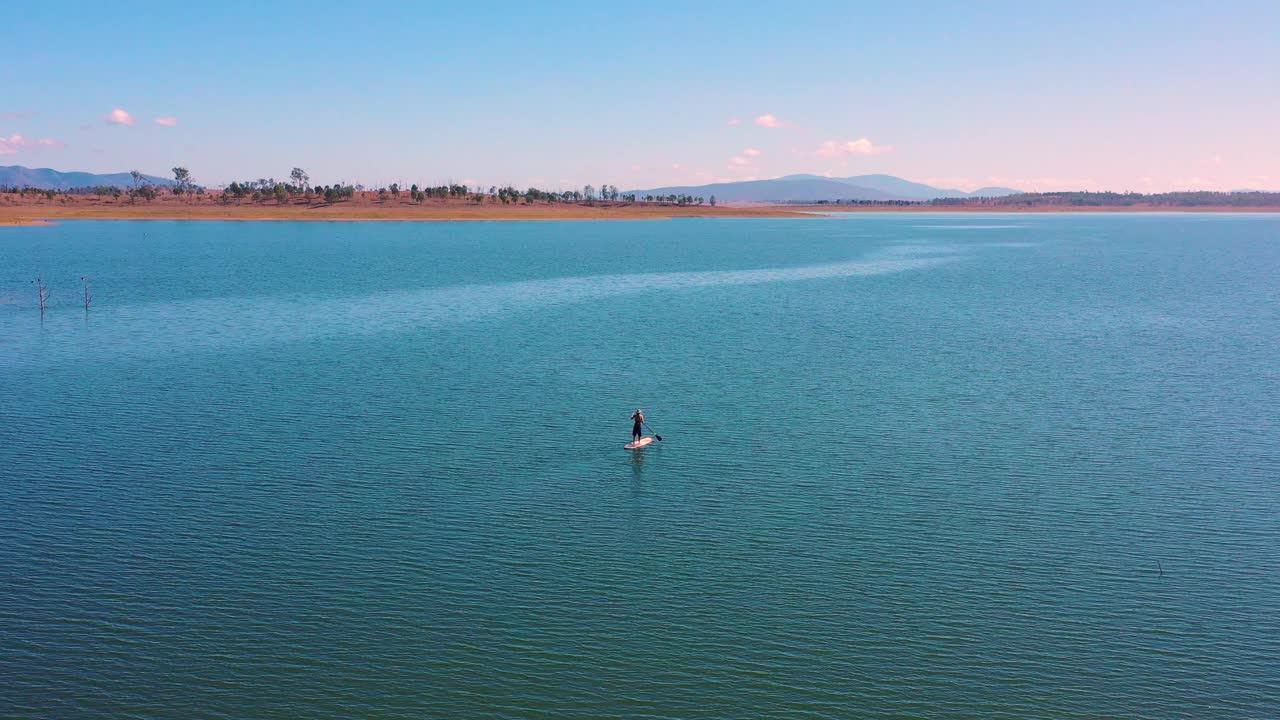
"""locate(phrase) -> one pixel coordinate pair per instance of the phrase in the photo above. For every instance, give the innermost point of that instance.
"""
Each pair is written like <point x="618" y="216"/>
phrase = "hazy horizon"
<point x="1147" y="97"/>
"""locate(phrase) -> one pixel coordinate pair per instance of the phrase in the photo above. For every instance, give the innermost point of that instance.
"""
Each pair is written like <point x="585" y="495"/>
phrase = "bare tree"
<point x="43" y="291"/>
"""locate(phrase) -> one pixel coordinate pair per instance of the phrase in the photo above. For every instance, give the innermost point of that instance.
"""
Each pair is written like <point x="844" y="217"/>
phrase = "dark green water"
<point x="913" y="467"/>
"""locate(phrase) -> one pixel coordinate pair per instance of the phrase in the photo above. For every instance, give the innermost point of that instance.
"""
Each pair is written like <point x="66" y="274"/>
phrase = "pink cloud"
<point x="166" y="121"/>
<point x="118" y="117"/>
<point x="745" y="160"/>
<point x="861" y="146"/>
<point x="16" y="143"/>
<point x="769" y="121"/>
<point x="735" y="121"/>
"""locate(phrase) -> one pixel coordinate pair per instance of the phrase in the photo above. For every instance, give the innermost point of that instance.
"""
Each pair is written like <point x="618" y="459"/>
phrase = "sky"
<point x="1142" y="96"/>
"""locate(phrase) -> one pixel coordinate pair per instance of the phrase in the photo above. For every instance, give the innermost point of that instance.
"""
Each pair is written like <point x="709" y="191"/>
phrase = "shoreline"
<point x="361" y="211"/>
<point x="1041" y="209"/>
<point x="42" y="213"/>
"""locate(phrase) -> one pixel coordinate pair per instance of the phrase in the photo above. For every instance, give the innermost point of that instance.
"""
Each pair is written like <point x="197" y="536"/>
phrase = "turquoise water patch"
<point x="375" y="470"/>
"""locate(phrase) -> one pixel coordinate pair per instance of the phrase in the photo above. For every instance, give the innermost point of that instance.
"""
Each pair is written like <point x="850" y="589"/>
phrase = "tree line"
<point x="1202" y="198"/>
<point x="299" y="186"/>
<point x="1206" y="198"/>
<point x="681" y="199"/>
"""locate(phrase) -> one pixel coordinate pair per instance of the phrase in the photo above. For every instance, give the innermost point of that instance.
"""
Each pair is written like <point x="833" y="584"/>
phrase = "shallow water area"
<point x="377" y="469"/>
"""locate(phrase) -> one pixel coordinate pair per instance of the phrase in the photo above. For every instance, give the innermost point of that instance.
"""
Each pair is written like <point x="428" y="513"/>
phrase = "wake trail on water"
<point x="219" y="323"/>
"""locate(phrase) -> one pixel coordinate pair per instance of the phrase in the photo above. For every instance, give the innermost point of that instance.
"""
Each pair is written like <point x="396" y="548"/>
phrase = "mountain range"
<point x="49" y="179"/>
<point x="812" y="188"/>
<point x="787" y="189"/>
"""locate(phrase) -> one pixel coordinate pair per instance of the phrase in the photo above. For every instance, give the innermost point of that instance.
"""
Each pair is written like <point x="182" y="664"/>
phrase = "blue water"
<point x="961" y="466"/>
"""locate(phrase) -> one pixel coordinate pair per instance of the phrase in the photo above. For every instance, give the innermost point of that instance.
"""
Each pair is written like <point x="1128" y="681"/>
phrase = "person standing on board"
<point x="638" y="428"/>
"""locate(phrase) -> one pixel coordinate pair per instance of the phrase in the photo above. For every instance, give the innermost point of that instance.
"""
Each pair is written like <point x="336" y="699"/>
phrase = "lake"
<point x="913" y="465"/>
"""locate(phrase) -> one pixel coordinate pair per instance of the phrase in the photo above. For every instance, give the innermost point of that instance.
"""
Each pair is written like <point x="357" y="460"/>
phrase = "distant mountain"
<point x="908" y="190"/>
<point x="995" y="191"/>
<point x="777" y="191"/>
<point x="810" y="188"/>
<point x="48" y="179"/>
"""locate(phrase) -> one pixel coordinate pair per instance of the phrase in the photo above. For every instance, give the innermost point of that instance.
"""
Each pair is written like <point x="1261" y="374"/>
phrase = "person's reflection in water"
<point x="637" y="468"/>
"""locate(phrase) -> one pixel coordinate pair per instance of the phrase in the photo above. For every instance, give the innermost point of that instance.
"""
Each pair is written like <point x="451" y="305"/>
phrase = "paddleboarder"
<point x="637" y="430"/>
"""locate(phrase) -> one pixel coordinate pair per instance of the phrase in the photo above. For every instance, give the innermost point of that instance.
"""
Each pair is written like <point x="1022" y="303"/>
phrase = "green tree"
<point x="181" y="181"/>
<point x="300" y="178"/>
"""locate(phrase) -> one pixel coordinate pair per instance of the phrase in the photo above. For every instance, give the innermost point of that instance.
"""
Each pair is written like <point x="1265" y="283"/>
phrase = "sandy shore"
<point x="16" y="210"/>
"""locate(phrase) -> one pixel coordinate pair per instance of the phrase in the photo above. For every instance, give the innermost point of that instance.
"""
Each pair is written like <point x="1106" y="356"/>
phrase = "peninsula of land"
<point x="32" y="210"/>
<point x="35" y="208"/>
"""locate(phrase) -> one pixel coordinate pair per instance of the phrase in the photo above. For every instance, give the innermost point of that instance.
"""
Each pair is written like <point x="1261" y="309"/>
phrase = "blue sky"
<point x="1140" y="96"/>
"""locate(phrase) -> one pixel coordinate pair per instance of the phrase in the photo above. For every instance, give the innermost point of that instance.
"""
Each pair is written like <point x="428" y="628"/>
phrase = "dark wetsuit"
<point x="638" y="429"/>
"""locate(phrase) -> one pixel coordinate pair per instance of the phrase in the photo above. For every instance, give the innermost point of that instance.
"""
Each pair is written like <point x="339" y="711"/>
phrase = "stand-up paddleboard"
<point x="638" y="444"/>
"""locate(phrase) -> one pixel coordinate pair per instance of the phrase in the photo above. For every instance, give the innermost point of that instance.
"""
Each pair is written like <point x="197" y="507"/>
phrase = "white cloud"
<point x="118" y="117"/>
<point x="861" y="146"/>
<point x="752" y="152"/>
<point x="167" y="121"/>
<point x="769" y="121"/>
<point x="735" y="121"/>
<point x="16" y="143"/>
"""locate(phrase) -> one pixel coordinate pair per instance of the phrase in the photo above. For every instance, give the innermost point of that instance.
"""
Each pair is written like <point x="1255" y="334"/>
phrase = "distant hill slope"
<point x="895" y="186"/>
<point x="49" y="179"/>
<point x="994" y="191"/>
<point x="809" y="188"/>
<point x="908" y="190"/>
<point x="779" y="191"/>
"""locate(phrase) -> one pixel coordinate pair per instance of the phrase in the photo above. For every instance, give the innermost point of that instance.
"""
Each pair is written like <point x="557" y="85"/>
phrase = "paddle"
<point x="656" y="436"/>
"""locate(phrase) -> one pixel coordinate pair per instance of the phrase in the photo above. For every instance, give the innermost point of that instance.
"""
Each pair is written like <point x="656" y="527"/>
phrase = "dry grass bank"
<point x="15" y="209"/>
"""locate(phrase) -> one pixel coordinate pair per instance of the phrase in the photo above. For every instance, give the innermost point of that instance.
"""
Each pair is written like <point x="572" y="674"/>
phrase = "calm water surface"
<point x="914" y="466"/>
